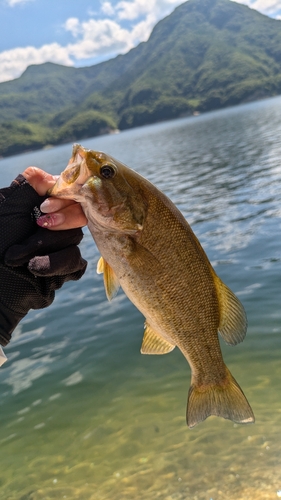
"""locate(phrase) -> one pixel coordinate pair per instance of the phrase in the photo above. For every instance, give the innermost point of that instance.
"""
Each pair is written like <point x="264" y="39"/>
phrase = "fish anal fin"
<point x="233" y="320"/>
<point x="111" y="282"/>
<point x="225" y="400"/>
<point x="154" y="343"/>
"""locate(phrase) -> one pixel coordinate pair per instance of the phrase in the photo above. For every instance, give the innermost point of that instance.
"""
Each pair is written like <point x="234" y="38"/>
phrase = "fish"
<point x="148" y="248"/>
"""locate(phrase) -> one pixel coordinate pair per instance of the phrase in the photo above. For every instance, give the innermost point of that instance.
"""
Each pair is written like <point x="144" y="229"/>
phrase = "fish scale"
<point x="149" y="249"/>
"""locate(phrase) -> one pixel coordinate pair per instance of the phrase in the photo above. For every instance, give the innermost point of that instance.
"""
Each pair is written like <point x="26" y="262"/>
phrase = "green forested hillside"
<point x="206" y="55"/>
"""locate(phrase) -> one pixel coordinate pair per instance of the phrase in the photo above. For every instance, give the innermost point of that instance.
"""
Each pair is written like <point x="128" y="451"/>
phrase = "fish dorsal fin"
<point x="153" y="343"/>
<point x="233" y="319"/>
<point x="111" y="282"/>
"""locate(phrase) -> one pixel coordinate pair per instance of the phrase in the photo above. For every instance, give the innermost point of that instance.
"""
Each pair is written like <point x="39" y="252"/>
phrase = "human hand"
<point x="60" y="214"/>
<point x="34" y="262"/>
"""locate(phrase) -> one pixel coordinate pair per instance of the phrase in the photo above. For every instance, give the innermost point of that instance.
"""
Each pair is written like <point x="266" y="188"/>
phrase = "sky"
<point x="82" y="32"/>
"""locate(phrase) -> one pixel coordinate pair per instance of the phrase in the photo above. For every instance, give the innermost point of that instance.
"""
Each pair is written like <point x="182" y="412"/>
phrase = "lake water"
<point x="83" y="414"/>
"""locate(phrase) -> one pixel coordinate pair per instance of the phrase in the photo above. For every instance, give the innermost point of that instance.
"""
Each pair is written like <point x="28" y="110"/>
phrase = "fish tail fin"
<point x="225" y="400"/>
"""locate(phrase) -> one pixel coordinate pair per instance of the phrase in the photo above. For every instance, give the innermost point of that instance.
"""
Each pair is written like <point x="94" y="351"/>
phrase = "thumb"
<point x="40" y="180"/>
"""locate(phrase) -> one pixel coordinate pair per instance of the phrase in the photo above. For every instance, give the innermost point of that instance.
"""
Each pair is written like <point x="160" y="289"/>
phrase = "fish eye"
<point x="107" y="171"/>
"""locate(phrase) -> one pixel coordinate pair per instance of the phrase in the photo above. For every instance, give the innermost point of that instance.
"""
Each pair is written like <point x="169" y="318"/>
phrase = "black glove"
<point x="34" y="262"/>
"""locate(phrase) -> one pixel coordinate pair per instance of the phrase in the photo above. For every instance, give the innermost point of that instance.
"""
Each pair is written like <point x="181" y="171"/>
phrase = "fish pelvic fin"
<point x="100" y="265"/>
<point x="233" y="320"/>
<point x="111" y="282"/>
<point x="154" y="343"/>
<point x="225" y="400"/>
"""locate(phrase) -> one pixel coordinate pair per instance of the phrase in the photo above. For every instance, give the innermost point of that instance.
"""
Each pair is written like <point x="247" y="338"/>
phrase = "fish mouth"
<point x="64" y="190"/>
<point x="72" y="179"/>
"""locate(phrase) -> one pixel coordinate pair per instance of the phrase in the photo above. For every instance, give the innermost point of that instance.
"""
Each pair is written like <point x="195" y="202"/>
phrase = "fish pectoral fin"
<point x="225" y="400"/>
<point x="111" y="282"/>
<point x="233" y="320"/>
<point x="153" y="343"/>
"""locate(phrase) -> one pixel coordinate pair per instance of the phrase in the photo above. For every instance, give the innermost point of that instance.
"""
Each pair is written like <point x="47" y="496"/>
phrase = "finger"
<point x="66" y="263"/>
<point x="41" y="243"/>
<point x="68" y="218"/>
<point x="51" y="205"/>
<point x="40" y="180"/>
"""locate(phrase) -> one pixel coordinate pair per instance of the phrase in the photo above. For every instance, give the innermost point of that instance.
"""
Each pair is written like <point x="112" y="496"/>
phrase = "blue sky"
<point x="82" y="32"/>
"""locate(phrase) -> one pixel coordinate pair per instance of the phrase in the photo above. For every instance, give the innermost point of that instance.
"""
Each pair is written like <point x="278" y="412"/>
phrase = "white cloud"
<point x="107" y="9"/>
<point x="14" y="62"/>
<point x="72" y="25"/>
<point x="104" y="37"/>
<point x="11" y="3"/>
<point x="94" y="38"/>
<point x="134" y="9"/>
<point x="108" y="37"/>
<point x="268" y="7"/>
<point x="142" y="30"/>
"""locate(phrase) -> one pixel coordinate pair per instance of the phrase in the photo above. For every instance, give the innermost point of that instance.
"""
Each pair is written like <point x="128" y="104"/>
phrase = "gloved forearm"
<point x="34" y="262"/>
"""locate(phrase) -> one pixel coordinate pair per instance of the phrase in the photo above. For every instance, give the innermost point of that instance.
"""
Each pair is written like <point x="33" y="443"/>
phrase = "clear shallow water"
<point x="83" y="414"/>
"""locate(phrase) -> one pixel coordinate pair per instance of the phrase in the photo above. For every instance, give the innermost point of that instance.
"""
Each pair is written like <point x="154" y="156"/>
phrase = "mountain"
<point x="206" y="55"/>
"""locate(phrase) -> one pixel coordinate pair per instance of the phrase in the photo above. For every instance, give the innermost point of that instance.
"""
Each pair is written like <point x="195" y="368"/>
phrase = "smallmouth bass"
<point x="149" y="249"/>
